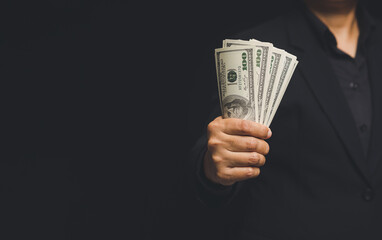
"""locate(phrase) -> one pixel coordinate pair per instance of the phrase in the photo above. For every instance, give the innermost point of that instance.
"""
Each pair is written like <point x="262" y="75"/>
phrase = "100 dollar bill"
<point x="262" y="59"/>
<point x="235" y="76"/>
<point x="281" y="86"/>
<point x="277" y="60"/>
<point x="252" y="78"/>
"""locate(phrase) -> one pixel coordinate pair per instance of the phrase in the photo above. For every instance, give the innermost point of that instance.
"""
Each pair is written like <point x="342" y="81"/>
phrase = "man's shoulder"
<point x="275" y="31"/>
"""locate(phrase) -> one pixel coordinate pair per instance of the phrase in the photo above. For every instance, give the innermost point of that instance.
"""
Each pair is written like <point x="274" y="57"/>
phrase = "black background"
<point x="102" y="101"/>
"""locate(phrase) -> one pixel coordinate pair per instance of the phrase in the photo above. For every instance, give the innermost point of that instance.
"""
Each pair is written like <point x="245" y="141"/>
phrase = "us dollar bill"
<point x="252" y="78"/>
<point x="236" y="85"/>
<point x="281" y="86"/>
<point x="277" y="60"/>
<point x="262" y="60"/>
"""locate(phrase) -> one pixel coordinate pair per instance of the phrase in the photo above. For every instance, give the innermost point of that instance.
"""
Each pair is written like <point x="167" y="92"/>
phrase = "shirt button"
<point x="353" y="85"/>
<point x="363" y="127"/>
<point x="368" y="194"/>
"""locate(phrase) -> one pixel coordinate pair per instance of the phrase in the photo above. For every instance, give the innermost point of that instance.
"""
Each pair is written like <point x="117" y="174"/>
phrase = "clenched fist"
<point x="236" y="150"/>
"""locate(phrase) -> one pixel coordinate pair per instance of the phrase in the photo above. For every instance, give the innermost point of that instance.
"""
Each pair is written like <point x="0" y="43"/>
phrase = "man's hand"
<point x="236" y="150"/>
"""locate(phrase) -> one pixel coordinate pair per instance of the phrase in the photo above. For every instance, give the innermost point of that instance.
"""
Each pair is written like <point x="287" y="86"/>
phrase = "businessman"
<point x="317" y="174"/>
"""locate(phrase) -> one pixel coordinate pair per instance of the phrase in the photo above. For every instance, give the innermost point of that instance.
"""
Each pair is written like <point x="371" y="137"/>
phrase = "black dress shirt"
<point x="352" y="73"/>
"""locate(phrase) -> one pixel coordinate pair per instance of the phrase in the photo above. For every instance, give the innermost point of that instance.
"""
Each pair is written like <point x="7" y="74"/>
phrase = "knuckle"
<point x="223" y="175"/>
<point x="251" y="144"/>
<point x="256" y="172"/>
<point x="254" y="159"/>
<point x="219" y="175"/>
<point x="232" y="143"/>
<point x="261" y="131"/>
<point x="213" y="142"/>
<point x="215" y="124"/>
<point x="264" y="131"/>
<point x="244" y="126"/>
<point x="216" y="158"/>
<point x="212" y="126"/>
<point x="262" y="147"/>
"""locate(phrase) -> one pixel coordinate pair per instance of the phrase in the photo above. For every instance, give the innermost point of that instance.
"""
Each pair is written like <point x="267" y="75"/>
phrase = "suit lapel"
<point x="375" y="75"/>
<point x="318" y="73"/>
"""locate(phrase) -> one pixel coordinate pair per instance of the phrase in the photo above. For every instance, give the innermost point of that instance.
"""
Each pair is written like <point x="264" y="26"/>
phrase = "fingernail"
<point x="269" y="133"/>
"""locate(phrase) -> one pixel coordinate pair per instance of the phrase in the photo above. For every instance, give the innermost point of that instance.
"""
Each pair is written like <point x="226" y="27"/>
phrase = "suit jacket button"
<point x="368" y="194"/>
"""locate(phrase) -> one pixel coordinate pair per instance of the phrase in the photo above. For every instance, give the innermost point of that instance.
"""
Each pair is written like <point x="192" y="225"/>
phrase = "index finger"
<point x="235" y="126"/>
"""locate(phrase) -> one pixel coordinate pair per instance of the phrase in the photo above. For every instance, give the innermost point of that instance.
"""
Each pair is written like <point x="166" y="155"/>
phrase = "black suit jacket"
<point x="316" y="183"/>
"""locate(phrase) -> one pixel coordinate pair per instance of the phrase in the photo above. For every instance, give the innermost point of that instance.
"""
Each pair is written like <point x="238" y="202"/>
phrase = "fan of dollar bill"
<point x="252" y="78"/>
